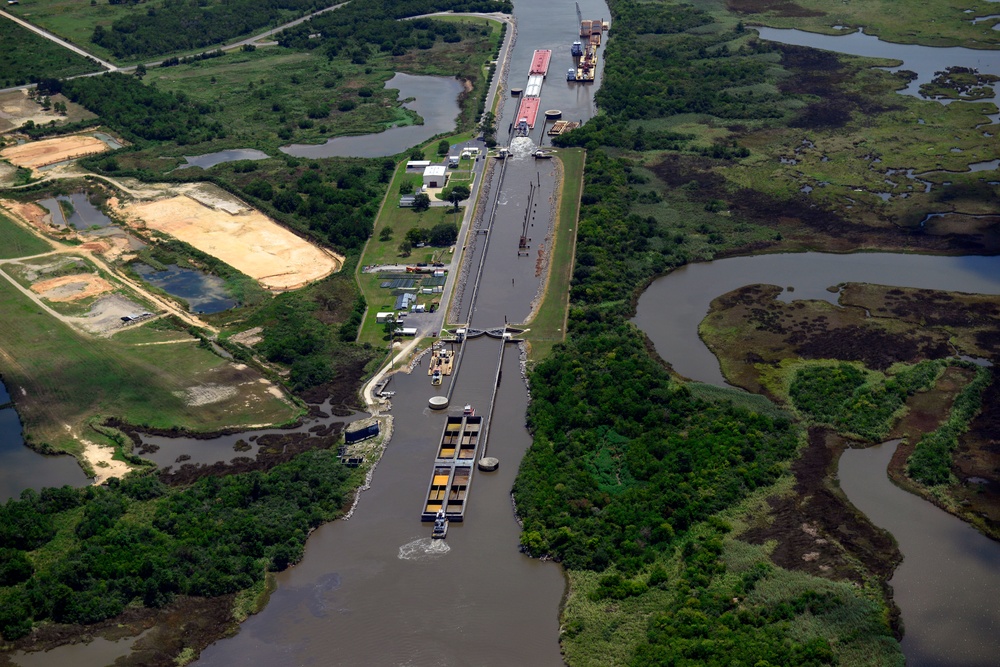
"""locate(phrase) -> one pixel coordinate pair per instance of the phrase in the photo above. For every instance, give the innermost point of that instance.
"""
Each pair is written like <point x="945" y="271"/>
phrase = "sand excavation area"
<point x="37" y="154"/>
<point x="17" y="107"/>
<point x="216" y="223"/>
<point x="71" y="288"/>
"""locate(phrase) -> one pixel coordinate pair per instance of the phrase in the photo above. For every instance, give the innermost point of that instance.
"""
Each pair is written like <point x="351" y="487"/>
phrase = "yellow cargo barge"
<point x="452" y="475"/>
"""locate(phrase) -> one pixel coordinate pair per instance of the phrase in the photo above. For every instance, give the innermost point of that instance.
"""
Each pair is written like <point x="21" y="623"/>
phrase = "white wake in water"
<point x="521" y="147"/>
<point x="423" y="549"/>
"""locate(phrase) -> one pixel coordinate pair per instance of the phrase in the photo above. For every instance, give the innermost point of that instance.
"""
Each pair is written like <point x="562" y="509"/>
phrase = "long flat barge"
<point x="452" y="474"/>
<point x="528" y="111"/>
<point x="540" y="62"/>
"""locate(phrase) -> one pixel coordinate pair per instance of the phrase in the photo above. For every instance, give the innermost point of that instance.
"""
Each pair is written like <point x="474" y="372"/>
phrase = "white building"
<point x="435" y="176"/>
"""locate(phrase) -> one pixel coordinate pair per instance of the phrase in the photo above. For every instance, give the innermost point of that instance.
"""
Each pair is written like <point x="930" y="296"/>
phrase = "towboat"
<point x="440" y="530"/>
<point x="437" y="378"/>
<point x="469" y="411"/>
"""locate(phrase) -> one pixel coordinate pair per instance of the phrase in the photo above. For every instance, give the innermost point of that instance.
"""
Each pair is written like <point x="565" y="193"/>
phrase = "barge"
<point x="540" y="62"/>
<point x="527" y="113"/>
<point x="451" y="477"/>
<point x="441" y="360"/>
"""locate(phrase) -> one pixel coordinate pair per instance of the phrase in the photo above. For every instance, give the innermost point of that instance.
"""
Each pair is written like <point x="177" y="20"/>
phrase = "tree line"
<point x="82" y="555"/>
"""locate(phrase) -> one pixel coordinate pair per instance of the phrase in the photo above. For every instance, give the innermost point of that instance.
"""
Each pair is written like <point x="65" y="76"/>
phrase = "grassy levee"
<point x="16" y="241"/>
<point x="61" y="378"/>
<point x="27" y="57"/>
<point x="548" y="325"/>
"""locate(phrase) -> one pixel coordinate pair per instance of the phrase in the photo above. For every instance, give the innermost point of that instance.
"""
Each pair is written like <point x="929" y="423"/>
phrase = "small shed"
<point x="408" y="331"/>
<point x="382" y="318"/>
<point x="405" y="300"/>
<point x="408" y="201"/>
<point x="453" y="161"/>
<point x="418" y="165"/>
<point x="435" y="176"/>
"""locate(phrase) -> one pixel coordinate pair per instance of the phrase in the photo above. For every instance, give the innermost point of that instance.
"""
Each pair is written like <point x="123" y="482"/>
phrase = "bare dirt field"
<point x="49" y="151"/>
<point x="72" y="288"/>
<point x="216" y="223"/>
<point x="105" y="316"/>
<point x="17" y="108"/>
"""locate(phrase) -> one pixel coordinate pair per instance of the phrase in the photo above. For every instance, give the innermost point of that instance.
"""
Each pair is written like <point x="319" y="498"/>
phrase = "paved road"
<point x="61" y="42"/>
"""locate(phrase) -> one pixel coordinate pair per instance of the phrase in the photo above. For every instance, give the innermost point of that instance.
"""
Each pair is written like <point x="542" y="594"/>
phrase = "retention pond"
<point x="203" y="292"/>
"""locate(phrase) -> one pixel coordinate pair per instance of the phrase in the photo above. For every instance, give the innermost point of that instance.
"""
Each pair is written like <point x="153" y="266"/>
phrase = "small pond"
<point x="84" y="215"/>
<point x="204" y="293"/>
<point x="209" y="160"/>
<point x="436" y="101"/>
<point x="924" y="60"/>
<point x="22" y="468"/>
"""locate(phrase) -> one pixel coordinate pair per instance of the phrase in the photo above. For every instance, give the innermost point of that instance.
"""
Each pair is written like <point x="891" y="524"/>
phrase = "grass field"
<point x="16" y="241"/>
<point x="65" y="378"/>
<point x="548" y="326"/>
<point x="26" y="57"/>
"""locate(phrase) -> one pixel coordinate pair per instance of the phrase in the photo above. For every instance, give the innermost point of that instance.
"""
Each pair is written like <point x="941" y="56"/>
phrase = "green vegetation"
<point x="83" y="555"/>
<point x="718" y="600"/>
<point x="139" y="112"/>
<point x="931" y="461"/>
<point x="623" y="487"/>
<point x="615" y="473"/>
<point x="857" y="403"/>
<point x="27" y="57"/>
<point x="178" y="26"/>
<point x="75" y="21"/>
<point x="16" y="241"/>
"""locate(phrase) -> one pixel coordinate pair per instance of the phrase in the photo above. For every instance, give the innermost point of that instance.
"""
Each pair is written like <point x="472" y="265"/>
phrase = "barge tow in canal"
<point x="452" y="475"/>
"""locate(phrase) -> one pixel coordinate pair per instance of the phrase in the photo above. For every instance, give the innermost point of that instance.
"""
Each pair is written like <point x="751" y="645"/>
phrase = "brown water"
<point x="376" y="590"/>
<point x="947" y="584"/>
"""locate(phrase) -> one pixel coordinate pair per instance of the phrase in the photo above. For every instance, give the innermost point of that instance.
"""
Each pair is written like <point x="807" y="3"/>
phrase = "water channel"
<point x="947" y="583"/>
<point x="435" y="99"/>
<point x="376" y="590"/>
<point x="670" y="310"/>
<point x="923" y="60"/>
